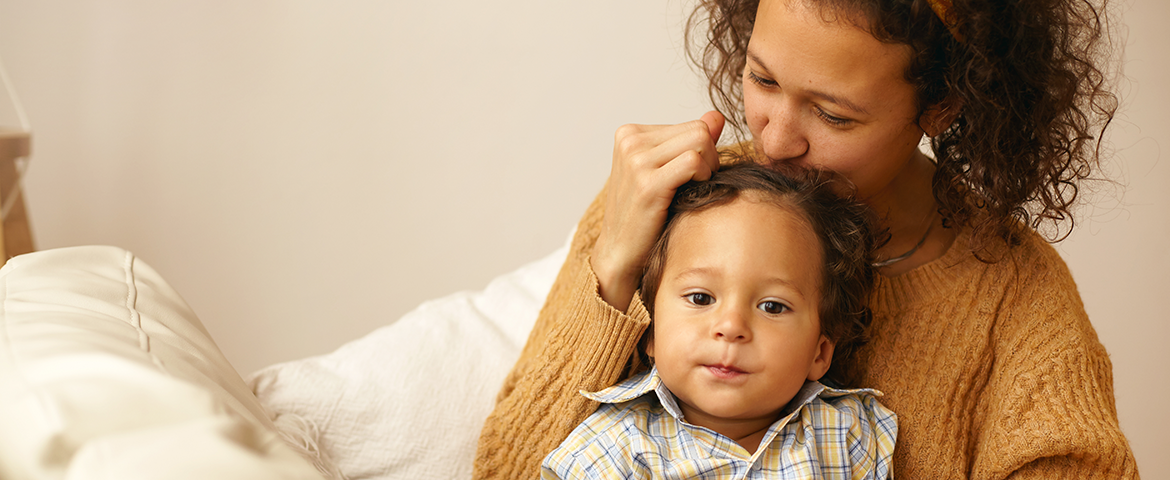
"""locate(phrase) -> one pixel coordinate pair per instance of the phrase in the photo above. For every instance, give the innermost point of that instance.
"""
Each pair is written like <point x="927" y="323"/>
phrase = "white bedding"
<point x="106" y="373"/>
<point x="408" y="400"/>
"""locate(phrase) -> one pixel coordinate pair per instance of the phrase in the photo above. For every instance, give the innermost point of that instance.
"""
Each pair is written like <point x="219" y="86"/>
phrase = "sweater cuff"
<point x="602" y="338"/>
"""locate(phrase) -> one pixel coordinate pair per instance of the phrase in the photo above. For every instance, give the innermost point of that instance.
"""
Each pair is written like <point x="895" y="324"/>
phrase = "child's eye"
<point x="773" y="307"/>
<point x="699" y="298"/>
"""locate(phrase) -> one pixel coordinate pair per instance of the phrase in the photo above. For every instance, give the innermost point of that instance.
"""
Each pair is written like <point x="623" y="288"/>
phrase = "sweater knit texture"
<point x="993" y="369"/>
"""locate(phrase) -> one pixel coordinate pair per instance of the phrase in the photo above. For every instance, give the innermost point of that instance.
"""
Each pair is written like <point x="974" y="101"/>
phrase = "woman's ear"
<point x="939" y="117"/>
<point x="823" y="359"/>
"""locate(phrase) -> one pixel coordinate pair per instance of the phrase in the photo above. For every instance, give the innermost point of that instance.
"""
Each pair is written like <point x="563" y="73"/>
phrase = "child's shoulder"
<point x="639" y="414"/>
<point x="847" y="410"/>
<point x="606" y="443"/>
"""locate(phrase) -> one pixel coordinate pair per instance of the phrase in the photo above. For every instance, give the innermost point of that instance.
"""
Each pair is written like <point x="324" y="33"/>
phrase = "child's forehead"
<point x="768" y="231"/>
<point x="782" y="202"/>
<point x="746" y="223"/>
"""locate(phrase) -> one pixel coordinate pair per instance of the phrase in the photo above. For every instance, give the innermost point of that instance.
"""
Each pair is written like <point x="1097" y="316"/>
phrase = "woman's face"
<point x="821" y="92"/>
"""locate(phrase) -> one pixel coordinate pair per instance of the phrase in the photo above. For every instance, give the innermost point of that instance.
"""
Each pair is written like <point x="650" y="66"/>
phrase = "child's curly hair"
<point x="1027" y="75"/>
<point x="843" y="227"/>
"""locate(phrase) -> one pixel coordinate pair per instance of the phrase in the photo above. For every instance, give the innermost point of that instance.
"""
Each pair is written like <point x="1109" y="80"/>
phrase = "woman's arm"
<point x="591" y="323"/>
<point x="1048" y="409"/>
<point x="579" y="342"/>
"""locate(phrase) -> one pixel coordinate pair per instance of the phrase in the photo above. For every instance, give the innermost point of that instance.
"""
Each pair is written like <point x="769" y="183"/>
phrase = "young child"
<point x="757" y="282"/>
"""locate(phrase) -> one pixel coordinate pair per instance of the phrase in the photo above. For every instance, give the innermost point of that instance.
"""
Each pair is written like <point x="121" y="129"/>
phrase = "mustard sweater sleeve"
<point x="1047" y="410"/>
<point x="579" y="342"/>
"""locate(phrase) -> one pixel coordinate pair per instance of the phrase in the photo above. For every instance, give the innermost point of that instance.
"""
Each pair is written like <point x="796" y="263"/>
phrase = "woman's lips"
<point x="726" y="372"/>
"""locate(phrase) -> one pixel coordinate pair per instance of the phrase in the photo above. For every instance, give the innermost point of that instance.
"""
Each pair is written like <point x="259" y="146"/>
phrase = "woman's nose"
<point x="732" y="326"/>
<point x="783" y="139"/>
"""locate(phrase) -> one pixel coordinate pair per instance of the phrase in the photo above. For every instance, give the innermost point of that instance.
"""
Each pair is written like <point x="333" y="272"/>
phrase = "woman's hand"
<point x="650" y="162"/>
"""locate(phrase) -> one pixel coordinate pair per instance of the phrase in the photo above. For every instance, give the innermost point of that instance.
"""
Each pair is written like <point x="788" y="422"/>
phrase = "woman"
<point x="979" y="338"/>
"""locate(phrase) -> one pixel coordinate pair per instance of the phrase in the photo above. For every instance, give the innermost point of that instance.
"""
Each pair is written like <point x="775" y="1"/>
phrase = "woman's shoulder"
<point x="1029" y="267"/>
<point x="1032" y="257"/>
<point x="1030" y="287"/>
<point x="1036" y="269"/>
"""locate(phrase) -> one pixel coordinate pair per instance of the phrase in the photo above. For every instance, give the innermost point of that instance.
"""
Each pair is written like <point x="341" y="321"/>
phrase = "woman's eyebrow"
<point x="834" y="99"/>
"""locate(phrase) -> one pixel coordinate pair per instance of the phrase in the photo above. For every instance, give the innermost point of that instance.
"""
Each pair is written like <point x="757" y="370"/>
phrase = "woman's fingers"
<point x="652" y="146"/>
<point x="689" y="165"/>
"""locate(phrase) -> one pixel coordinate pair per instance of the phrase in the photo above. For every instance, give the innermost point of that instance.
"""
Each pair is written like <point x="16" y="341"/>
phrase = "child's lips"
<point x="727" y="372"/>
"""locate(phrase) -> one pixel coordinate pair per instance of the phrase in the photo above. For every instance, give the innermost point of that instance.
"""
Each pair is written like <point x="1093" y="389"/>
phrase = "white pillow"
<point x="105" y="372"/>
<point x="408" y="400"/>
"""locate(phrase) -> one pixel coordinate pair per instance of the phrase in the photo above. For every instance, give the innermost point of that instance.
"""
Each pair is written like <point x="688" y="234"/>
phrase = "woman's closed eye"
<point x="761" y="81"/>
<point x="831" y="119"/>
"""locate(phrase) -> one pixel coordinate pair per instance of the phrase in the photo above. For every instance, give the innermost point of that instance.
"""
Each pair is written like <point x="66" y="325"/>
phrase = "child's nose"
<point x="732" y="326"/>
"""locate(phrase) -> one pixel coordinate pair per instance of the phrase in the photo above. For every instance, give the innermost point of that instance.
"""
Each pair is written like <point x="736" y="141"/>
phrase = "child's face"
<point x="736" y="328"/>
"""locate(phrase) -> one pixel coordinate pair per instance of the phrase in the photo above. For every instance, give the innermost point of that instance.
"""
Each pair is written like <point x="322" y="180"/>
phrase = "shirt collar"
<point x="649" y="381"/>
<point x="635" y="387"/>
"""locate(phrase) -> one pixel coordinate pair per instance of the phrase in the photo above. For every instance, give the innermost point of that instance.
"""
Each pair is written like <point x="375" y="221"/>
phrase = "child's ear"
<point x="823" y="359"/>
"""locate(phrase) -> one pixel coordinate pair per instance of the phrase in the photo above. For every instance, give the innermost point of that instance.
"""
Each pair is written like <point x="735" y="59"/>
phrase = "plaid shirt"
<point x="824" y="433"/>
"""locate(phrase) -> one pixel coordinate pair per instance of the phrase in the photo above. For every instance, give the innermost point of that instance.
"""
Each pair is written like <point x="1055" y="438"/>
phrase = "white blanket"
<point x="408" y="400"/>
<point x="106" y="373"/>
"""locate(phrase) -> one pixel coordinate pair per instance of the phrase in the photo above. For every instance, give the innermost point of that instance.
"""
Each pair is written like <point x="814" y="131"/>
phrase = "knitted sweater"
<point x="993" y="369"/>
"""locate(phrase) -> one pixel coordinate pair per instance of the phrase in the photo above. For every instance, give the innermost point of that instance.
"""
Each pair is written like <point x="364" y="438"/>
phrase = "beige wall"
<point x="304" y="172"/>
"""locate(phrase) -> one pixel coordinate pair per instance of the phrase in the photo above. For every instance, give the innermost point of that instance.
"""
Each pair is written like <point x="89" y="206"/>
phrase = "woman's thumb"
<point x="714" y="121"/>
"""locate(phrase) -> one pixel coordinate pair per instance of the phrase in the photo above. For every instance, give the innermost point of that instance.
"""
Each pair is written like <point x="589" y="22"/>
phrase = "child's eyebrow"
<point x="696" y="272"/>
<point x="784" y="282"/>
<point x="708" y="271"/>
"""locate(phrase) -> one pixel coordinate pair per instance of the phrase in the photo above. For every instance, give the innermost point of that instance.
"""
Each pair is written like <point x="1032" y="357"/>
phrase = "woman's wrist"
<point x="614" y="284"/>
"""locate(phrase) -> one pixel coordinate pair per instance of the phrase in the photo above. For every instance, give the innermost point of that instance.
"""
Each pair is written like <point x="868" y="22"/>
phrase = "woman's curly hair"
<point x="844" y="228"/>
<point x="1028" y="76"/>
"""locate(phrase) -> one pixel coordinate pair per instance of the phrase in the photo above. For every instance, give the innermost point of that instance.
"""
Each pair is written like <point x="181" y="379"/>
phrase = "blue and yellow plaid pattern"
<point x="824" y="433"/>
